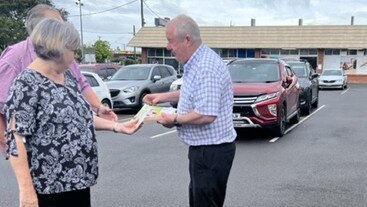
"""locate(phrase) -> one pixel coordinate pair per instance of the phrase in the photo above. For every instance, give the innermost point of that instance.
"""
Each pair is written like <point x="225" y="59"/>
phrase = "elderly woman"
<point x="50" y="126"/>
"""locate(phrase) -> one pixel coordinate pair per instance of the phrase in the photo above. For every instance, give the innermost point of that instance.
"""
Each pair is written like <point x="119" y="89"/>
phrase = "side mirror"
<point x="288" y="80"/>
<point x="156" y="78"/>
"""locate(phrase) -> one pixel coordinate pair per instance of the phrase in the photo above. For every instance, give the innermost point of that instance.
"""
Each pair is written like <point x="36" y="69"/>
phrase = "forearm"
<point x="103" y="124"/>
<point x="92" y="98"/>
<point x="21" y="168"/>
<point x="2" y="130"/>
<point x="195" y="118"/>
<point x="172" y="96"/>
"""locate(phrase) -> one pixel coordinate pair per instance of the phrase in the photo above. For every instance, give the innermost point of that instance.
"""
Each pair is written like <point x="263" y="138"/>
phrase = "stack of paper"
<point x="148" y="112"/>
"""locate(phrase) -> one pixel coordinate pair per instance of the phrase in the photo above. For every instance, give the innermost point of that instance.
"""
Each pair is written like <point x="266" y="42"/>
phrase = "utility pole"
<point x="142" y="13"/>
<point x="81" y="27"/>
<point x="134" y="47"/>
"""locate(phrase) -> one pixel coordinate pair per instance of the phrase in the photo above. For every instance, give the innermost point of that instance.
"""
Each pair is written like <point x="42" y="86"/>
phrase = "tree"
<point x="103" y="51"/>
<point x="12" y="19"/>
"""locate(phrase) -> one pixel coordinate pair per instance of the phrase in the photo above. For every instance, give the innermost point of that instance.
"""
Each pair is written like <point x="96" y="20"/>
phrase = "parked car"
<point x="333" y="78"/>
<point x="309" y="83"/>
<point x="99" y="87"/>
<point x="129" y="85"/>
<point x="176" y="85"/>
<point x="266" y="94"/>
<point x="105" y="71"/>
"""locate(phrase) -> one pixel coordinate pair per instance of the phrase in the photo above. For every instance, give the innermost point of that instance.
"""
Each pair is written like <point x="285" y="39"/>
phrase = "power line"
<point x="100" y="12"/>
<point x="151" y="9"/>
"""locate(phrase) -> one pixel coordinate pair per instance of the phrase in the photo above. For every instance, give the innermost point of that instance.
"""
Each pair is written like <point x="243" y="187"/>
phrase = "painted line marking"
<point x="295" y="125"/>
<point x="162" y="134"/>
<point x="274" y="139"/>
<point x="345" y="91"/>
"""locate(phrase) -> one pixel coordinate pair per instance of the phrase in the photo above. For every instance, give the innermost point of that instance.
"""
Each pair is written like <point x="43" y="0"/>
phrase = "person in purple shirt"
<point x="16" y="58"/>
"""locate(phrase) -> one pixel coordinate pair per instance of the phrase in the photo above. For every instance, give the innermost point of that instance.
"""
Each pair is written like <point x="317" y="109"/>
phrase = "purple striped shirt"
<point x="16" y="58"/>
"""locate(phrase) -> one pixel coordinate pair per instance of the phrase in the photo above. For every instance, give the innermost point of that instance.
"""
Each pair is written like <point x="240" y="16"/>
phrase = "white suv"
<point x="99" y="87"/>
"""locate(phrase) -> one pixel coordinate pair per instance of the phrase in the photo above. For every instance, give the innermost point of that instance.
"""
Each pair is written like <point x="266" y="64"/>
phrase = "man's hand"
<point x="167" y="120"/>
<point x="152" y="99"/>
<point x="106" y="113"/>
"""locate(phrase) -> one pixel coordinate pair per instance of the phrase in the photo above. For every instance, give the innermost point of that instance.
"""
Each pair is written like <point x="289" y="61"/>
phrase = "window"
<point x="164" y="72"/>
<point x="92" y="81"/>
<point x="352" y="52"/>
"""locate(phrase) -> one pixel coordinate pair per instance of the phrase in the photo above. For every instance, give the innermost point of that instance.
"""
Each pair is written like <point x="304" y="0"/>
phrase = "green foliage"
<point x="103" y="51"/>
<point x="12" y="19"/>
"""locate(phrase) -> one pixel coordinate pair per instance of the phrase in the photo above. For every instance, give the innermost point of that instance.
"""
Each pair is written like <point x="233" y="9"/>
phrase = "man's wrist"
<point x="175" y="121"/>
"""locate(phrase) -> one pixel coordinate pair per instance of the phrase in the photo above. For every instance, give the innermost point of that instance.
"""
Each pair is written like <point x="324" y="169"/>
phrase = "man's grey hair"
<point x="36" y="14"/>
<point x="52" y="38"/>
<point x="185" y="25"/>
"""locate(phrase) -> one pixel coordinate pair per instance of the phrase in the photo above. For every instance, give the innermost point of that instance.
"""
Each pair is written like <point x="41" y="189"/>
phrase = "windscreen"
<point x="332" y="72"/>
<point x="132" y="73"/>
<point x="299" y="69"/>
<point x="251" y="71"/>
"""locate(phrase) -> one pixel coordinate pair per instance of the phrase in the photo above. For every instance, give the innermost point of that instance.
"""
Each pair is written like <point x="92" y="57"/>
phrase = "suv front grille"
<point x="114" y="92"/>
<point x="243" y="110"/>
<point x="244" y="99"/>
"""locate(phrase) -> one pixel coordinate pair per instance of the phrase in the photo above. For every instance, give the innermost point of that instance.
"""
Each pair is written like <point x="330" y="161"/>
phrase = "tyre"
<point x="279" y="129"/>
<point x="308" y="108"/>
<point x="107" y="103"/>
<point x="141" y="103"/>
<point x="315" y="104"/>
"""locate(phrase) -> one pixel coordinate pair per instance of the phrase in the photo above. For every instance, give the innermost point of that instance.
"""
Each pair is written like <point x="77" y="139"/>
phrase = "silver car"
<point x="333" y="78"/>
<point x="130" y="84"/>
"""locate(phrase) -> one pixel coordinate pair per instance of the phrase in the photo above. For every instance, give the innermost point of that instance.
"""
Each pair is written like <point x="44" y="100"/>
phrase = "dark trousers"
<point x="76" y="198"/>
<point x="209" y="167"/>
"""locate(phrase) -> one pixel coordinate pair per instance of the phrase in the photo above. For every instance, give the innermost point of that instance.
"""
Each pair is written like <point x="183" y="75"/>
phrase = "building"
<point x="324" y="46"/>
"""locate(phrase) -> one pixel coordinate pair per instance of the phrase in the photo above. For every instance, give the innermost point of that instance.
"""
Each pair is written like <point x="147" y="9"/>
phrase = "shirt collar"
<point x="193" y="57"/>
<point x="30" y="45"/>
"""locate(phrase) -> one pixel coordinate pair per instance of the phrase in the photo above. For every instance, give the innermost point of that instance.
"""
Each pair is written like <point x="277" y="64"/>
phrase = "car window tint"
<point x="164" y="72"/>
<point x="102" y="72"/>
<point x="156" y="72"/>
<point x="110" y="71"/>
<point x="92" y="81"/>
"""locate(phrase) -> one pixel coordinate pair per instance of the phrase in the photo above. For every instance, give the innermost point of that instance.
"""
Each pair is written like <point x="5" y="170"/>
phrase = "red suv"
<point x="266" y="94"/>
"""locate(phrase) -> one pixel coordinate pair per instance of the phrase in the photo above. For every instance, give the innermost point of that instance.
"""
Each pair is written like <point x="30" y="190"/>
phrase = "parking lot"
<point x="321" y="161"/>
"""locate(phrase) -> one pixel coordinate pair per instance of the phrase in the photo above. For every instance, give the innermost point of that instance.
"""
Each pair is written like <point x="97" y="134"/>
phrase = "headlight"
<point x="131" y="89"/>
<point x="267" y="96"/>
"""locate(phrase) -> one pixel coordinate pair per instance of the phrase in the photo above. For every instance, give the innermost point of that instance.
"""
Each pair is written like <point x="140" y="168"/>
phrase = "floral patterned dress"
<point x="57" y="124"/>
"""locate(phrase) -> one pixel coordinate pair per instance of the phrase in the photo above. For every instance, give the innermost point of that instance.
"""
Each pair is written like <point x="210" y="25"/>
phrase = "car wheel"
<point x="106" y="103"/>
<point x="316" y="103"/>
<point x="141" y="103"/>
<point x="279" y="129"/>
<point x="308" y="108"/>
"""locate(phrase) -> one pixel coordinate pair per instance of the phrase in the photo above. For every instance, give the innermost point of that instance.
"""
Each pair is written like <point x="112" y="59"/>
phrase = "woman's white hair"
<point x="51" y="39"/>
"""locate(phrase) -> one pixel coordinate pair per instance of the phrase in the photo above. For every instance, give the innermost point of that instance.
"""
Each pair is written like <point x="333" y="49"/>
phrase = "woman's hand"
<point x="106" y="113"/>
<point x="128" y="127"/>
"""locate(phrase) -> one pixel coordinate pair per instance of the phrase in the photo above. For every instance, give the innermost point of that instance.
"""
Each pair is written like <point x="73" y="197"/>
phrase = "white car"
<point x="176" y="85"/>
<point x="333" y="78"/>
<point x="99" y="87"/>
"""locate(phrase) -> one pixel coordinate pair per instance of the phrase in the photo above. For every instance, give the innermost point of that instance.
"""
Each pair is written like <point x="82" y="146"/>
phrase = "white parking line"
<point x="342" y="93"/>
<point x="163" y="134"/>
<point x="295" y="125"/>
<point x="274" y="139"/>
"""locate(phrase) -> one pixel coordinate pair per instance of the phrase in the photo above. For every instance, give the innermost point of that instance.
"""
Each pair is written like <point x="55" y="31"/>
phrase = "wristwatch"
<point x="175" y="122"/>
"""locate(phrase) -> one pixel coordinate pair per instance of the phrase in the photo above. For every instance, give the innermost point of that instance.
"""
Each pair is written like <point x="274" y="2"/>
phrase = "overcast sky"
<point x="113" y="20"/>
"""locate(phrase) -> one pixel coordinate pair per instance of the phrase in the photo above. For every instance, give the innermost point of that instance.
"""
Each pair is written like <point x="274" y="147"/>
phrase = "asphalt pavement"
<point x="319" y="162"/>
